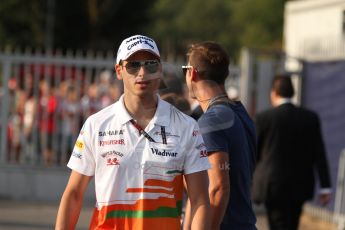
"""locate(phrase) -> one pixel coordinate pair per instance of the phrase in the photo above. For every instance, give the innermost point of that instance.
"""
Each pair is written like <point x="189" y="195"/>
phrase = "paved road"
<point x="37" y="216"/>
<point x="34" y="216"/>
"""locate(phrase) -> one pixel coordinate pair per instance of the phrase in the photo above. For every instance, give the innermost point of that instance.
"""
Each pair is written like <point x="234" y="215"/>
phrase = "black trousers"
<point x="284" y="215"/>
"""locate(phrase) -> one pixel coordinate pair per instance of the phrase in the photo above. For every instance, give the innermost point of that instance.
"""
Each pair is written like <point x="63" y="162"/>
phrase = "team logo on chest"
<point x="113" y="161"/>
<point x="163" y="153"/>
<point x="112" y="157"/>
<point x="168" y="134"/>
<point x="110" y="133"/>
<point x="195" y="133"/>
<point x="112" y="142"/>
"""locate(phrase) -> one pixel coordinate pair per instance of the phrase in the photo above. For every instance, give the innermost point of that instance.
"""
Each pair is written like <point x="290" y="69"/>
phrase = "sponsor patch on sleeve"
<point x="77" y="155"/>
<point x="79" y="145"/>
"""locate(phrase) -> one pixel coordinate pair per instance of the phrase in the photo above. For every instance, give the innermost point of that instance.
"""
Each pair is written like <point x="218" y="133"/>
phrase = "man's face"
<point x="140" y="73"/>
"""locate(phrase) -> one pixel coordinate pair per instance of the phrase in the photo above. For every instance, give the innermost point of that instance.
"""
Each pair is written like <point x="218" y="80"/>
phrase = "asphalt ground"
<point x="15" y="215"/>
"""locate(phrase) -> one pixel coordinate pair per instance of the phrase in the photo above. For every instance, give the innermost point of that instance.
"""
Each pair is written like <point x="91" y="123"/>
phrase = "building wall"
<point x="311" y="28"/>
<point x="314" y="32"/>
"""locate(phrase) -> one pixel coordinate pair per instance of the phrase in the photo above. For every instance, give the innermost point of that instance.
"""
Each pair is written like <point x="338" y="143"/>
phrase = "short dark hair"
<point x="282" y="85"/>
<point x="170" y="83"/>
<point x="211" y="60"/>
<point x="178" y="101"/>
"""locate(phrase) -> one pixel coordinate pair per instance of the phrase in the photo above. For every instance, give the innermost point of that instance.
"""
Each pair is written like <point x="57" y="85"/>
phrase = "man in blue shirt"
<point x="229" y="136"/>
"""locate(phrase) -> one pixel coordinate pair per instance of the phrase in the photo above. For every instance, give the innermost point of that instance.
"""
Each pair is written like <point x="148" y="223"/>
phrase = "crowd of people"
<point x="44" y="122"/>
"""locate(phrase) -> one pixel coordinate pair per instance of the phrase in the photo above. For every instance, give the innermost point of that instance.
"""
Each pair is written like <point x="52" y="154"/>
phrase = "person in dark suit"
<point x="290" y="148"/>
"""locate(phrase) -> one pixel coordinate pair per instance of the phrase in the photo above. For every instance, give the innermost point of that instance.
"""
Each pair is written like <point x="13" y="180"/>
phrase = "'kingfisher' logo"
<point x="112" y="142"/>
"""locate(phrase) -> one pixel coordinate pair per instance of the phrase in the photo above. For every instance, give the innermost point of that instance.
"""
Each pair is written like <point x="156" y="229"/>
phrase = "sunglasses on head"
<point x="185" y="68"/>
<point x="150" y="66"/>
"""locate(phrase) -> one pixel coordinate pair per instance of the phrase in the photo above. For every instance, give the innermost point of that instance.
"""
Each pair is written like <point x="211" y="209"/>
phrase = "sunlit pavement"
<point x="15" y="215"/>
<point x="34" y="216"/>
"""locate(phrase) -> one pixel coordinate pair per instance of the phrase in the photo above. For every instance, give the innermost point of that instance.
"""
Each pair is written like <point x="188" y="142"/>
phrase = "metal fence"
<point x="45" y="97"/>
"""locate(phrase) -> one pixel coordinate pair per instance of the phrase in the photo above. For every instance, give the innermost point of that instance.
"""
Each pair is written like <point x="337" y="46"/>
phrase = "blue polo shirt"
<point x="228" y="128"/>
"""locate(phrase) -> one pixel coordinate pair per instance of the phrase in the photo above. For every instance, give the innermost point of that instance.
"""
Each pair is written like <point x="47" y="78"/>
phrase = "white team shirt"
<point x="128" y="167"/>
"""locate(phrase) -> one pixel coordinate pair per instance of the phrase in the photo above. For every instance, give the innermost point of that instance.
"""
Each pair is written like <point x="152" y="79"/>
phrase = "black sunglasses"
<point x="185" y="68"/>
<point x="150" y="66"/>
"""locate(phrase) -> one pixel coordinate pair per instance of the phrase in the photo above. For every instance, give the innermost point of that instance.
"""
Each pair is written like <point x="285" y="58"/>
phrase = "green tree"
<point x="22" y="23"/>
<point x="259" y="23"/>
<point x="233" y="23"/>
<point x="102" y="24"/>
<point x="77" y="24"/>
<point x="177" y="23"/>
<point x="98" y="24"/>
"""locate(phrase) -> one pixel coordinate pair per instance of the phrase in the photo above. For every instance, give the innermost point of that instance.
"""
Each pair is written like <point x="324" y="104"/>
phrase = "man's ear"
<point x="273" y="97"/>
<point x="118" y="71"/>
<point x="194" y="74"/>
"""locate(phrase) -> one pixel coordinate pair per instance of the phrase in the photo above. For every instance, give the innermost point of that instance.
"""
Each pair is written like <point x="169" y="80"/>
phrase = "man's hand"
<point x="324" y="198"/>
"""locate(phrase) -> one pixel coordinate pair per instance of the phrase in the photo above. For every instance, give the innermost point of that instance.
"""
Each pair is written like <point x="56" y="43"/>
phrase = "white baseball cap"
<point x="134" y="44"/>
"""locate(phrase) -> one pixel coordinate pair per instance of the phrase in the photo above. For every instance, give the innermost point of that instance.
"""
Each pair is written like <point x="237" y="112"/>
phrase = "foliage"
<point x="78" y="24"/>
<point x="102" y="24"/>
<point x="233" y="23"/>
<point x="259" y="25"/>
<point x="21" y="23"/>
<point x="98" y="24"/>
<point x="177" y="23"/>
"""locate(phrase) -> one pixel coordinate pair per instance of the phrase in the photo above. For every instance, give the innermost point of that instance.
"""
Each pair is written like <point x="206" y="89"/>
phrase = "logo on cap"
<point x="142" y="40"/>
<point x="134" y="44"/>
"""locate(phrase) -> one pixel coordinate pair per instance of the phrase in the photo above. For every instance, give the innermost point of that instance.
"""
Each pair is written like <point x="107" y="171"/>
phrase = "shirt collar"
<point x="162" y="114"/>
<point x="160" y="118"/>
<point x="283" y="100"/>
<point x="123" y="114"/>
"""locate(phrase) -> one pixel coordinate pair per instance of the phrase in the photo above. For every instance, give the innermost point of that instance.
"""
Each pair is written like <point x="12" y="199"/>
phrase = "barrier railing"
<point x="39" y="93"/>
<point x="45" y="97"/>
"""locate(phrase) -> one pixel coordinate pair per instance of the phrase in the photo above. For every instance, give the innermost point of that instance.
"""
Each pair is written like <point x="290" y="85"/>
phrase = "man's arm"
<point x="197" y="186"/>
<point x="219" y="188"/>
<point x="71" y="201"/>
<point x="321" y="163"/>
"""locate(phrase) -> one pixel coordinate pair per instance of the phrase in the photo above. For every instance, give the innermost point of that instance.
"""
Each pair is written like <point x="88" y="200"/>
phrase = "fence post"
<point x="339" y="208"/>
<point x="6" y="72"/>
<point x="247" y="78"/>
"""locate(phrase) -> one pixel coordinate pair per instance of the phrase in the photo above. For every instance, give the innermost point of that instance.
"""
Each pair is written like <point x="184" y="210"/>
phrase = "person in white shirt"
<point x="139" y="150"/>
